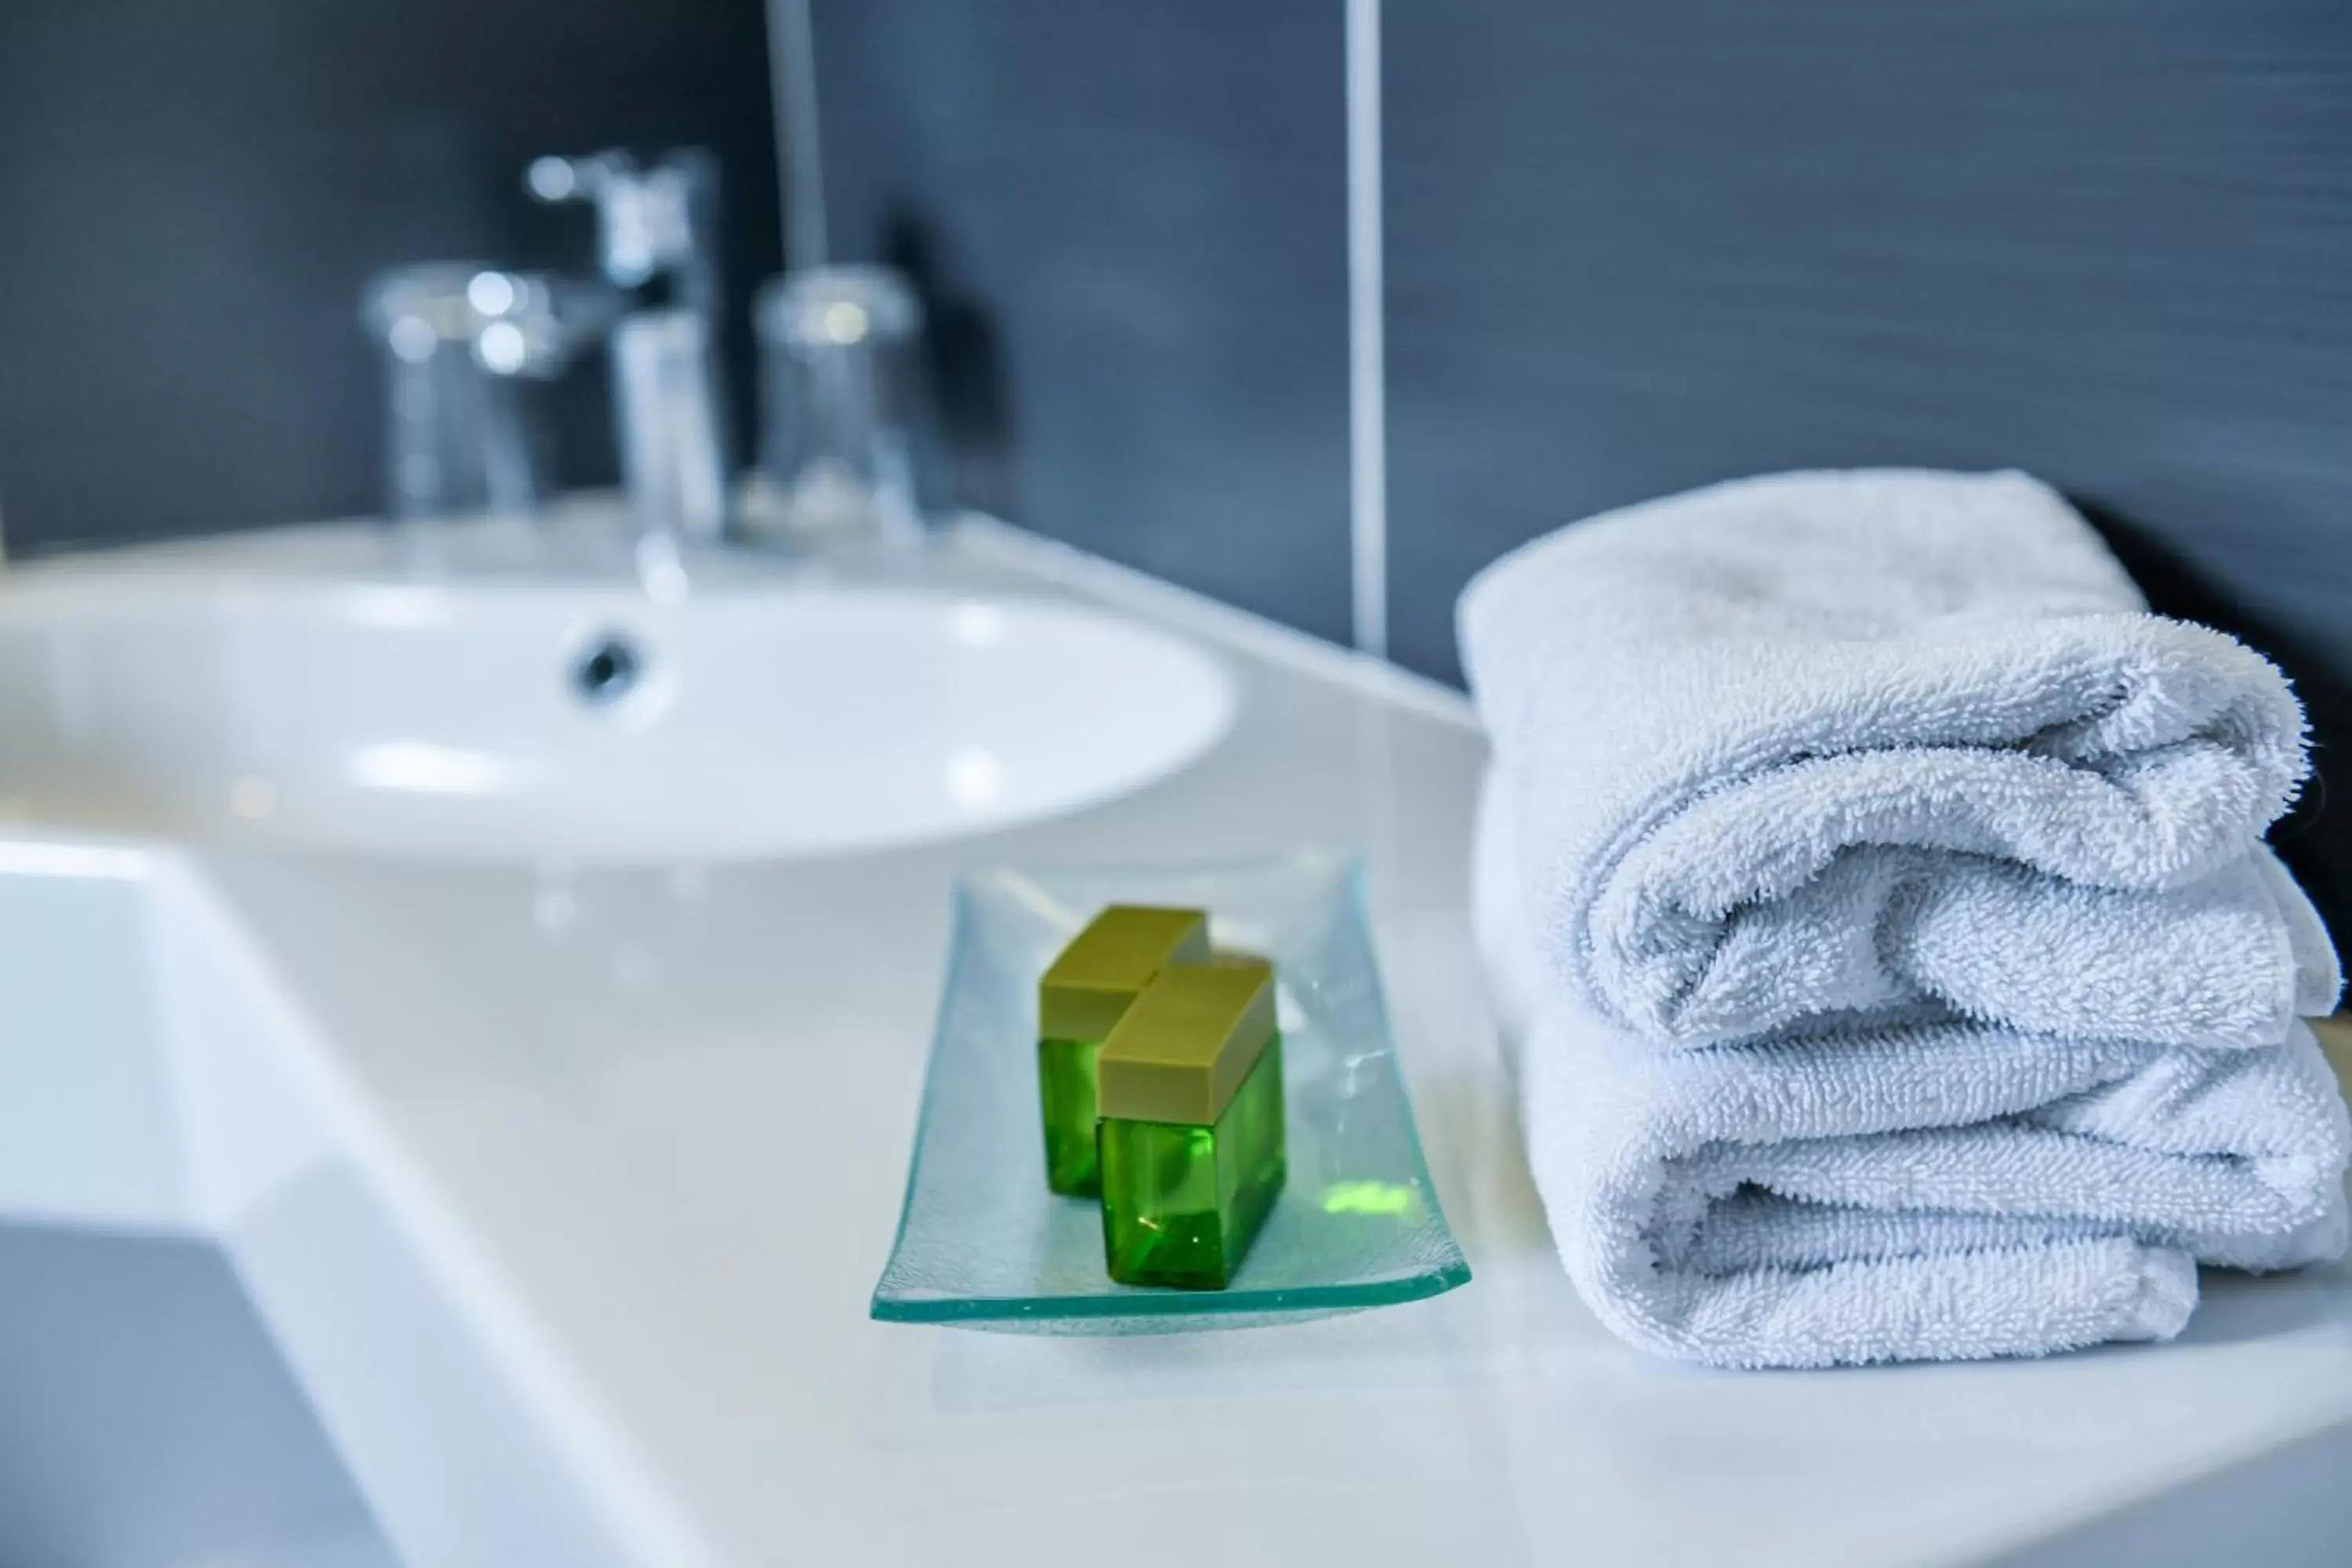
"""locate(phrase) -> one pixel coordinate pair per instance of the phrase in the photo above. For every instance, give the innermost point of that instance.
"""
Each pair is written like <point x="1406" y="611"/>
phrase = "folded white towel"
<point x="1844" y="743"/>
<point x="1950" y="1191"/>
<point x="2223" y="964"/>
<point x="1881" y="799"/>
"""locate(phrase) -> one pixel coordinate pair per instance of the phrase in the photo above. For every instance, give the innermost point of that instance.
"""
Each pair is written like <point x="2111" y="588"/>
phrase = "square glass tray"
<point x="983" y="1244"/>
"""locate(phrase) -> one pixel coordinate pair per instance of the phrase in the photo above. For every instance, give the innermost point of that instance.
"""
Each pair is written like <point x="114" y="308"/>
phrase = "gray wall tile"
<point x="194" y="194"/>
<point x="1636" y="247"/>
<point x="1130" y="220"/>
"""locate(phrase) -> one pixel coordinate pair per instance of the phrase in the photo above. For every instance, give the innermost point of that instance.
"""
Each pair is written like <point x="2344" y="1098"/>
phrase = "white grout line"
<point x="1368" y="475"/>
<point x="800" y="162"/>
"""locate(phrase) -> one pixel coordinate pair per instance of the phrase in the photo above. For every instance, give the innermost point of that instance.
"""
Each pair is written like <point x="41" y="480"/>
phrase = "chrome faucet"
<point x="657" y="248"/>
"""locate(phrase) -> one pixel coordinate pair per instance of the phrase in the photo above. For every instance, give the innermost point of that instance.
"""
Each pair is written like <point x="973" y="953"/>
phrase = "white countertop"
<point x="647" y="1130"/>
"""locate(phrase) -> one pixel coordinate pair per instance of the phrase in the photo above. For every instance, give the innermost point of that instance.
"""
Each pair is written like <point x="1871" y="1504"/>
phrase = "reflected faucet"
<point x="657" y="248"/>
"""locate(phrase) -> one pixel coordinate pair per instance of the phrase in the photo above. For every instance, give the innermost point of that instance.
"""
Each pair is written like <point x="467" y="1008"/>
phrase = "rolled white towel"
<point x="1833" y="743"/>
<point x="1948" y="1191"/>
<point x="2226" y="962"/>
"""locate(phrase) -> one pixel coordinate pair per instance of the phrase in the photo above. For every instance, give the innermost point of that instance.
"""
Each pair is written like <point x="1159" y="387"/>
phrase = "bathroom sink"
<point x="513" y="719"/>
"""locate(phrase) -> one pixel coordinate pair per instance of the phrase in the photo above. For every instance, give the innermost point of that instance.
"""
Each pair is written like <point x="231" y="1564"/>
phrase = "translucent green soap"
<point x="981" y="1245"/>
<point x="1082" y="995"/>
<point x="1191" y="1137"/>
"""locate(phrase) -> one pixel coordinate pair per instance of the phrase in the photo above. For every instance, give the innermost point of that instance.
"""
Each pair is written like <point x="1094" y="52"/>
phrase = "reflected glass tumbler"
<point x="455" y="440"/>
<point x="848" y="438"/>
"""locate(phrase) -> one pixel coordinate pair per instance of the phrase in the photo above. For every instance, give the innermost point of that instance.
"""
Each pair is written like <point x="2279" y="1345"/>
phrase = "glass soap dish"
<point x="982" y="1244"/>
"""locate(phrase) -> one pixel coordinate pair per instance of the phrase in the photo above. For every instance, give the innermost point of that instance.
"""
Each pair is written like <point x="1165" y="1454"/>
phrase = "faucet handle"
<point x="655" y="231"/>
<point x="652" y="222"/>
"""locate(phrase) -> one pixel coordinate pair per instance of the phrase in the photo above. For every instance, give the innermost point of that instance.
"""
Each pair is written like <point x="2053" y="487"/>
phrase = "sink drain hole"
<point x="606" y="669"/>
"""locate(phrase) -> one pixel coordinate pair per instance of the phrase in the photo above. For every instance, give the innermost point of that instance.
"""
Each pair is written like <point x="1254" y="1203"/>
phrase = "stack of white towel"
<point x="1881" y="892"/>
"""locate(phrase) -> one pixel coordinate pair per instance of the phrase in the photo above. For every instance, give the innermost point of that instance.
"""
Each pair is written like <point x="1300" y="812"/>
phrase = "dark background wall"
<point x="190" y="196"/>
<point x="1637" y="247"/>
<point x="1632" y="247"/>
<point x="2106" y="240"/>
<point x="1127" y="216"/>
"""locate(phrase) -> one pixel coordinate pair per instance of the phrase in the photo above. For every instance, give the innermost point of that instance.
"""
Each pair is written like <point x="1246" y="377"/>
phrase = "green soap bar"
<point x="1066" y="1092"/>
<point x="1088" y="988"/>
<point x="1180" y="1051"/>
<point x="1181" y="1203"/>
<point x="1082" y="996"/>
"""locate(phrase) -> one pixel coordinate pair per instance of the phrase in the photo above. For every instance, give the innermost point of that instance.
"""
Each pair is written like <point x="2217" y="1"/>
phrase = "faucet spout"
<point x="667" y="417"/>
<point x="657" y="241"/>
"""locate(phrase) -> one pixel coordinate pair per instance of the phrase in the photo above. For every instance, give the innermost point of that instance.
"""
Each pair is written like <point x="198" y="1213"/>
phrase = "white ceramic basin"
<point x="468" y="720"/>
